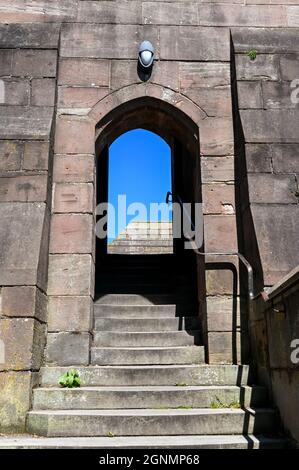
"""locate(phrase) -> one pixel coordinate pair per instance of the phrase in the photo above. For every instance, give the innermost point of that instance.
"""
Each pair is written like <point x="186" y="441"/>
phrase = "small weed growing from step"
<point x="182" y="384"/>
<point x="252" y="54"/>
<point x="217" y="403"/>
<point x="185" y="407"/>
<point x="110" y="434"/>
<point x="70" y="379"/>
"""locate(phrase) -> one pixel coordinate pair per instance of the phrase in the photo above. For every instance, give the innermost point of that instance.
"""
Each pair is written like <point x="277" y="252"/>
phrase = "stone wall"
<point x="268" y="156"/>
<point x="28" y="65"/>
<point x="96" y="43"/>
<point x="143" y="238"/>
<point x="274" y="326"/>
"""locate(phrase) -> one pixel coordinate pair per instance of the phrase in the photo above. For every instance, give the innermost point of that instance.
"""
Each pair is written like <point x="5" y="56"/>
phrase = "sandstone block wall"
<point x="28" y="67"/>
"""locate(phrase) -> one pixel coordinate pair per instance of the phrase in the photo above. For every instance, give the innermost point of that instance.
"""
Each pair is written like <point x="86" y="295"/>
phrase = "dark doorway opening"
<point x="170" y="277"/>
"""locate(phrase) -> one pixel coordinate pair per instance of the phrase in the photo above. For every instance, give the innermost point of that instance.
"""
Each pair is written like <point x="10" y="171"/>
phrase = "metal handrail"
<point x="242" y="258"/>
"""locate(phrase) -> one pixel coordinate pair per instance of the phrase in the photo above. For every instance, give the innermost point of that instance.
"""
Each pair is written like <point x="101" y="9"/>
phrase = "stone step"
<point x="157" y="397"/>
<point x="229" y="441"/>
<point x="135" y="311"/>
<point x="139" y="299"/>
<point x="147" y="355"/>
<point x="166" y="338"/>
<point x="180" y="375"/>
<point x="147" y="324"/>
<point x="144" y="289"/>
<point x="148" y="422"/>
<point x="152" y="242"/>
<point x="129" y="249"/>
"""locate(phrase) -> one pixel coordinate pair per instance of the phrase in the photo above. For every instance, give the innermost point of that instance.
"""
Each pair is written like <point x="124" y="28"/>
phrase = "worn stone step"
<point x="147" y="355"/>
<point x="129" y="249"/>
<point x="147" y="422"/>
<point x="229" y="441"/>
<point x="134" y="311"/>
<point x="152" y="242"/>
<point x="157" y="397"/>
<point x="180" y="375"/>
<point x="147" y="324"/>
<point x="142" y="339"/>
<point x="139" y="299"/>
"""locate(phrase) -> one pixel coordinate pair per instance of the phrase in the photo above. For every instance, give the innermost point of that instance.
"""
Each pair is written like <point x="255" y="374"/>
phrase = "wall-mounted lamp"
<point x="146" y="54"/>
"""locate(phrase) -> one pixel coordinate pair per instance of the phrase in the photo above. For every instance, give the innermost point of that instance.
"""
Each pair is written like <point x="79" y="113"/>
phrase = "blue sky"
<point x="140" y="168"/>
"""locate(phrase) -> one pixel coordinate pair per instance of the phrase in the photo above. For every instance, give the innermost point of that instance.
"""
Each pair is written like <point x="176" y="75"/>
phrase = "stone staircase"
<point x="148" y="384"/>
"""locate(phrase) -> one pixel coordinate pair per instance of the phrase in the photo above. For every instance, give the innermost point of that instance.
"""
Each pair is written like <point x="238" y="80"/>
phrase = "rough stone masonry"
<point x="64" y="66"/>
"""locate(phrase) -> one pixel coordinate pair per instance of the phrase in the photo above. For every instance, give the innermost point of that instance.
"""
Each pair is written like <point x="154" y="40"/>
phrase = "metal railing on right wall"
<point x="251" y="293"/>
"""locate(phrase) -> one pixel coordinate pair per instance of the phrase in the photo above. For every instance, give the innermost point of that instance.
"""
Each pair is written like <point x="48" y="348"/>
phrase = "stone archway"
<point x="72" y="253"/>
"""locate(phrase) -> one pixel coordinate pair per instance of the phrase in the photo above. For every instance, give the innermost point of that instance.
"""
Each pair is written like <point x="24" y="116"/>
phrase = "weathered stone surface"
<point x="274" y="125"/>
<point x="259" y="158"/>
<point x="218" y="199"/>
<point x="39" y="11"/>
<point x="74" y="168"/>
<point x="19" y="261"/>
<point x="24" y="301"/>
<point x="289" y="66"/>
<point x="216" y="136"/>
<point x="71" y="233"/>
<point x="250" y="95"/>
<point x="285" y="385"/>
<point x="17" y="188"/>
<point x="5" y="62"/>
<point x="16" y="92"/>
<point x="23" y="340"/>
<point x="243" y="15"/>
<point x="34" y="63"/>
<point x="104" y="41"/>
<point x="225" y="347"/>
<point x="15" y="400"/>
<point x="220" y="233"/>
<point x="18" y="122"/>
<point x="170" y="13"/>
<point x="36" y="156"/>
<point x="121" y="12"/>
<point x="221" y="278"/>
<point x="36" y="36"/>
<point x="271" y="189"/>
<point x="10" y="155"/>
<point x="124" y="73"/>
<point x="264" y="67"/>
<point x="70" y="314"/>
<point x="70" y="275"/>
<point x="66" y="349"/>
<point x="73" y="197"/>
<point x="203" y="75"/>
<point x="80" y="97"/>
<point x="293" y="15"/>
<point x="276" y="230"/>
<point x="285" y="158"/>
<point x="266" y="40"/>
<point x="278" y="96"/>
<point x="66" y="136"/>
<point x="213" y="101"/>
<point x="194" y="43"/>
<point x="83" y="72"/>
<point x="43" y="92"/>
<point x="217" y="169"/>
